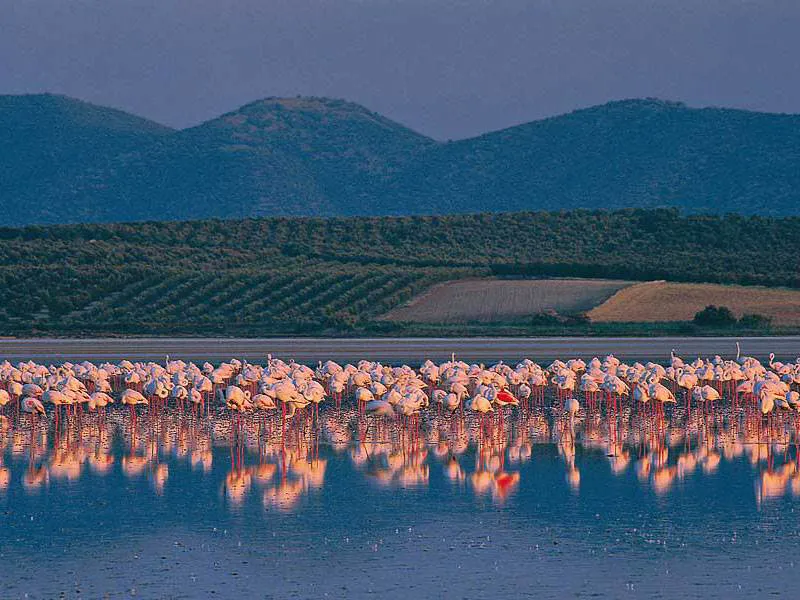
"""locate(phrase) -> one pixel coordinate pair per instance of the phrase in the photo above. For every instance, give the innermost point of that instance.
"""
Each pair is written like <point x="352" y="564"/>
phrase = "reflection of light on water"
<point x="481" y="481"/>
<point x="687" y="463"/>
<point x="642" y="468"/>
<point x="619" y="459"/>
<point x="202" y="459"/>
<point x="65" y="465"/>
<point x="285" y="495"/>
<point x="574" y="478"/>
<point x="101" y="463"/>
<point x="403" y="465"/>
<point x="283" y="470"/>
<point x="519" y="453"/>
<point x="663" y="478"/>
<point x="413" y="475"/>
<point x="312" y="472"/>
<point x="237" y="484"/>
<point x="35" y="478"/>
<point x="453" y="470"/>
<point x="134" y="465"/>
<point x="773" y="484"/>
<point x="757" y="452"/>
<point x="159" y="477"/>
<point x="264" y="472"/>
<point x="710" y="462"/>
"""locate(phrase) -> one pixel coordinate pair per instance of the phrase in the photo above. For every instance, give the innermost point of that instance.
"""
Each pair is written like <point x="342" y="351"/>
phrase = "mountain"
<point x="299" y="156"/>
<point x="632" y="153"/>
<point x="56" y="155"/>
<point x="63" y="160"/>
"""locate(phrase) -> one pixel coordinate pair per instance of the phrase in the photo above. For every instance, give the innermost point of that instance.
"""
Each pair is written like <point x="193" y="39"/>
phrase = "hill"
<point x="56" y="155"/>
<point x="493" y="300"/>
<point x="660" y="301"/>
<point x="339" y="276"/>
<point x="66" y="161"/>
<point x="636" y="153"/>
<point x="301" y="156"/>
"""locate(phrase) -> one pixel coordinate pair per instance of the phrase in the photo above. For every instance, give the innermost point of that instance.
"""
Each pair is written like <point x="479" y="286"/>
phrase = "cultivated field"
<point x="663" y="301"/>
<point x="495" y="300"/>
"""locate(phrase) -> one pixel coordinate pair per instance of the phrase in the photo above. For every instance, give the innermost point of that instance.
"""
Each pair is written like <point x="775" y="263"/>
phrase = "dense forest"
<point x="66" y="161"/>
<point x="324" y="276"/>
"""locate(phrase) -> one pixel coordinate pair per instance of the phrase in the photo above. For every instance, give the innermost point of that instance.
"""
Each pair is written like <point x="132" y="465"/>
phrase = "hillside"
<point x="493" y="300"/>
<point x="637" y="153"/>
<point x="57" y="155"/>
<point x="304" y="156"/>
<point x="323" y="276"/>
<point x="66" y="161"/>
<point x="660" y="301"/>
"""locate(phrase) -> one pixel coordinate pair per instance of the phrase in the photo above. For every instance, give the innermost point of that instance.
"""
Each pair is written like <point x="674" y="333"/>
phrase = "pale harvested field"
<point x="664" y="301"/>
<point x="493" y="300"/>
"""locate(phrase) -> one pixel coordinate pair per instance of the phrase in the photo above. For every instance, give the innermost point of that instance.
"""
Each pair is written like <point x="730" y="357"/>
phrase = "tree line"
<point x="342" y="272"/>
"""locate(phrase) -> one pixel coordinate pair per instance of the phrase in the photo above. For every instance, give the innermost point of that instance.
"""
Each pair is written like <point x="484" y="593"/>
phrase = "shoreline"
<point x="391" y="349"/>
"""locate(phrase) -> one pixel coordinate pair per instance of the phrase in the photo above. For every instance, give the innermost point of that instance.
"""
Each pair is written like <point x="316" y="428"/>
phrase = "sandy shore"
<point x="390" y="349"/>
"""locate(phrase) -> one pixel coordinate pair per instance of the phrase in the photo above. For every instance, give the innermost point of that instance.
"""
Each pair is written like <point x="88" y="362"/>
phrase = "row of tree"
<point x="349" y="270"/>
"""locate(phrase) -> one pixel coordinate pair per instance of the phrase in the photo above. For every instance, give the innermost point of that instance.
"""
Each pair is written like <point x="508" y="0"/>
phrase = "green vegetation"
<point x="65" y="161"/>
<point x="715" y="316"/>
<point x="721" y="317"/>
<point x="755" y="321"/>
<point x="334" y="276"/>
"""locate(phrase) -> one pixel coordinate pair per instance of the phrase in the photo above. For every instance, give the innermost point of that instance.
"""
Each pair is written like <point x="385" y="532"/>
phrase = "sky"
<point x="446" y="68"/>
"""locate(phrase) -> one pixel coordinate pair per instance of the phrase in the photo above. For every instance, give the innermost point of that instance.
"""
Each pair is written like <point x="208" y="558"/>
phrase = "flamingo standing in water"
<point x="315" y="394"/>
<point x="661" y="394"/>
<point x="99" y="401"/>
<point x="379" y="409"/>
<point x="132" y="399"/>
<point x="524" y="391"/>
<point x="483" y="407"/>
<point x="58" y="399"/>
<point x="641" y="395"/>
<point x="5" y="398"/>
<point x="590" y="387"/>
<point x="34" y="407"/>
<point x="452" y="402"/>
<point x="706" y="394"/>
<point x="15" y="390"/>
<point x="572" y="407"/>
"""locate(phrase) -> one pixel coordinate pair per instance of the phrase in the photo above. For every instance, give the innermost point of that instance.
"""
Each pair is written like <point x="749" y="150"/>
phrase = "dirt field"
<point x="662" y="301"/>
<point x="489" y="300"/>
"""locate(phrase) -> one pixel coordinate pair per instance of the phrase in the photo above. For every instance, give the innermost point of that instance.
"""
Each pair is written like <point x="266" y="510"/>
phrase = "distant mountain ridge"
<point x="67" y="161"/>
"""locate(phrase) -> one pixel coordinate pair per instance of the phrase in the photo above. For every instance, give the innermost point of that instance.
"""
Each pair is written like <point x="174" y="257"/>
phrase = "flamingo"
<point x="132" y="399"/>
<point x="34" y="407"/>
<point x="482" y="406"/>
<point x="660" y="393"/>
<point x="99" y="400"/>
<point x="572" y="407"/>
<point x="5" y="398"/>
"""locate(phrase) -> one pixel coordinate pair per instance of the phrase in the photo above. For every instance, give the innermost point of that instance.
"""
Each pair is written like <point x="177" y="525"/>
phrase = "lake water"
<point x="614" y="505"/>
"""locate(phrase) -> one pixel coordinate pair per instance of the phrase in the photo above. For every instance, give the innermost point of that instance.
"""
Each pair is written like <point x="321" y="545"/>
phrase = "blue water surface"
<point x="613" y="505"/>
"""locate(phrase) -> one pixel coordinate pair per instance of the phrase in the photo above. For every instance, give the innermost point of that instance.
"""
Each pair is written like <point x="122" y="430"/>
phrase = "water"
<point x="620" y="505"/>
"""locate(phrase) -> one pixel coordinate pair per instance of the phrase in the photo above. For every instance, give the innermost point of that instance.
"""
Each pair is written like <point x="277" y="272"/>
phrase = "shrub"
<point x="545" y="318"/>
<point x="715" y="316"/>
<point x="755" y="321"/>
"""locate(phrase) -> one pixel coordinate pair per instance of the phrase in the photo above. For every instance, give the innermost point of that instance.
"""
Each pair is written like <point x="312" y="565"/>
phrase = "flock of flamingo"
<point x="374" y="409"/>
<point x="400" y="394"/>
